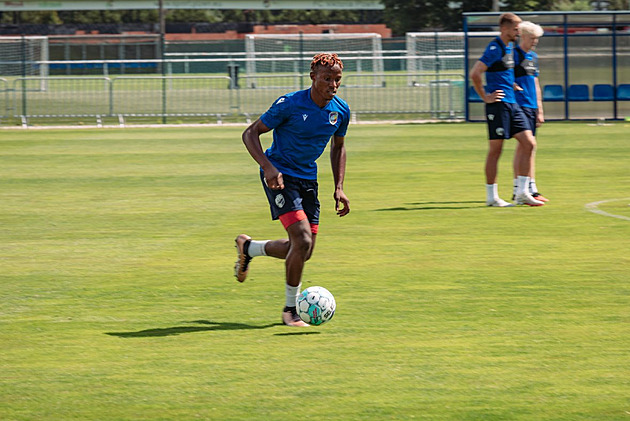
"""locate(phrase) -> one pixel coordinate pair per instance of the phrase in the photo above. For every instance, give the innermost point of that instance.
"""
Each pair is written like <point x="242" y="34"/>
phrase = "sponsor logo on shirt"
<point x="304" y="116"/>
<point x="280" y="101"/>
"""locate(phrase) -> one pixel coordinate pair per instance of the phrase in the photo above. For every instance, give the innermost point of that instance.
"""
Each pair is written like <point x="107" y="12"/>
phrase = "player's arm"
<point x="476" y="76"/>
<point x="540" y="119"/>
<point x="338" y="162"/>
<point x="251" y="139"/>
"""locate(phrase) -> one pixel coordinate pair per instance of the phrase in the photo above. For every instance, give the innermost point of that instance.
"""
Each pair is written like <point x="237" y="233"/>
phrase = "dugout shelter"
<point x="584" y="60"/>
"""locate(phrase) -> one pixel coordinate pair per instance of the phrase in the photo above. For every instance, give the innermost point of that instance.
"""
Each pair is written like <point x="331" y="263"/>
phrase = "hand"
<point x="540" y="119"/>
<point x="340" y="197"/>
<point x="273" y="179"/>
<point x="495" y="96"/>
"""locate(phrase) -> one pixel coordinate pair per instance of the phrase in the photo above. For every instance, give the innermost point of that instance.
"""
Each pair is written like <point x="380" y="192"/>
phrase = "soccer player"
<point x="528" y="94"/>
<point x="504" y="116"/>
<point x="303" y="123"/>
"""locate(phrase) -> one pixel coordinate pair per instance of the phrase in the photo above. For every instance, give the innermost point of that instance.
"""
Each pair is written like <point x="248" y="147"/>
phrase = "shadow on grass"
<point x="206" y="326"/>
<point x="435" y="205"/>
<point x="297" y="333"/>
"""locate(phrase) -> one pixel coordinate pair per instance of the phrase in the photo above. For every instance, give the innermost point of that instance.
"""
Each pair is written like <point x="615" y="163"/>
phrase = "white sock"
<point x="292" y="294"/>
<point x="515" y="186"/>
<point x="257" y="248"/>
<point x="523" y="184"/>
<point x="492" y="192"/>
<point x="532" y="186"/>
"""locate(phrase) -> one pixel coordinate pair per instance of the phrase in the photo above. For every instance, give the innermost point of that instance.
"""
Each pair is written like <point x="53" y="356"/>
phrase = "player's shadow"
<point x="202" y="326"/>
<point x="473" y="204"/>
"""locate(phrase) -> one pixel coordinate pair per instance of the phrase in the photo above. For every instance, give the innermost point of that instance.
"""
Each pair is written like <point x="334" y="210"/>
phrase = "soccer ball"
<point x="316" y="305"/>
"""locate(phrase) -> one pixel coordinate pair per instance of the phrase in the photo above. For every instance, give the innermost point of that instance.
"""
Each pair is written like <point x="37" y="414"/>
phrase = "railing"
<point x="435" y="96"/>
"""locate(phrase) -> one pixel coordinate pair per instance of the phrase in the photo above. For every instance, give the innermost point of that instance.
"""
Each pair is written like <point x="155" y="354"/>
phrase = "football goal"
<point x="24" y="56"/>
<point x="268" y="54"/>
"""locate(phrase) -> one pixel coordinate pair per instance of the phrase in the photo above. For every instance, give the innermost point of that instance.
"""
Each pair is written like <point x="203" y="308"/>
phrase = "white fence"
<point x="127" y="97"/>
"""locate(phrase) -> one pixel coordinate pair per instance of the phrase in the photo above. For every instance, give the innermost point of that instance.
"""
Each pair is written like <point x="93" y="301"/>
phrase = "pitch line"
<point x="592" y="207"/>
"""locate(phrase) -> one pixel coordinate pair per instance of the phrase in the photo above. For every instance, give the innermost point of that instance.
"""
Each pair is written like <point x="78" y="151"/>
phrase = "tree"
<point x="415" y="15"/>
<point x="572" y="5"/>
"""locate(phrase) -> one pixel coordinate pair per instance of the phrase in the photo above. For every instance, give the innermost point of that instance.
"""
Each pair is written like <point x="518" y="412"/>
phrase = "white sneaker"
<point x="527" y="199"/>
<point x="499" y="203"/>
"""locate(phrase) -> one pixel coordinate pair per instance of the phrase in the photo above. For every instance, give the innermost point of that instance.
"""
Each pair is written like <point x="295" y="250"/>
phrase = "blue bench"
<point x="553" y="93"/>
<point x="603" y="92"/>
<point x="623" y="92"/>
<point x="578" y="93"/>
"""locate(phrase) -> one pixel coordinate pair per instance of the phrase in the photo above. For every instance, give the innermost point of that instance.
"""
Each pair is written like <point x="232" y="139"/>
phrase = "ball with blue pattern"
<point x="316" y="305"/>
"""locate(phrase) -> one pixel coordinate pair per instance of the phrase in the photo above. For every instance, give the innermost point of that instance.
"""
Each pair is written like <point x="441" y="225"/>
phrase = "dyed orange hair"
<point x="326" y="60"/>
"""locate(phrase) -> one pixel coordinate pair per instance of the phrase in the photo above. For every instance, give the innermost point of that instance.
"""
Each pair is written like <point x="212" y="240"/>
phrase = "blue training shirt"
<point x="500" y="74"/>
<point x="525" y="73"/>
<point x="301" y="131"/>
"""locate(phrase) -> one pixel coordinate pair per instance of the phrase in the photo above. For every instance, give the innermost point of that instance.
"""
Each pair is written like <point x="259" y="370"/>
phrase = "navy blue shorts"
<point x="505" y="120"/>
<point x="531" y="114"/>
<point x="298" y="194"/>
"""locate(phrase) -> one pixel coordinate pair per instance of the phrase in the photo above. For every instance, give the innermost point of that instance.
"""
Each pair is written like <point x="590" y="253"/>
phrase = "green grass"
<point x="118" y="300"/>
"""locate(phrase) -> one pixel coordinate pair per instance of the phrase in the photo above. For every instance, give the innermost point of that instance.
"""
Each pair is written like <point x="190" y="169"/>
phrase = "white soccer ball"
<point x="316" y="305"/>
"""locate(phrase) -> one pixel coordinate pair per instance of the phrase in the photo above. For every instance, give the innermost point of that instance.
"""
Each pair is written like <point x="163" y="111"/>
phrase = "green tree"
<point x="572" y="5"/>
<point x="417" y="15"/>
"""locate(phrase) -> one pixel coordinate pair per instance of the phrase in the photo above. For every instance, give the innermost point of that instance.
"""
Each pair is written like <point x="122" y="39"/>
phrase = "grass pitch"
<point x="118" y="300"/>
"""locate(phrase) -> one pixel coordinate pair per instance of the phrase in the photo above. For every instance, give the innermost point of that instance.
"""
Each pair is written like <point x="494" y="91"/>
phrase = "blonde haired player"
<point x="528" y="96"/>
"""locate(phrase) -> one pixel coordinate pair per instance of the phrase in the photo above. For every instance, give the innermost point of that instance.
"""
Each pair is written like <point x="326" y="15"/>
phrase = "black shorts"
<point x="298" y="194"/>
<point x="531" y="114"/>
<point x="505" y="120"/>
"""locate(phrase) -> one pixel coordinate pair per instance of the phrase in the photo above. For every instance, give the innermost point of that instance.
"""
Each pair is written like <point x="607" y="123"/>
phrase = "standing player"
<point x="303" y="122"/>
<point x="504" y="116"/>
<point x="528" y="94"/>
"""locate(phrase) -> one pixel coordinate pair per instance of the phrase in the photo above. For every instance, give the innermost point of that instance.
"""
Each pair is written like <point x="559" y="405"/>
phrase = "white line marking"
<point x="592" y="207"/>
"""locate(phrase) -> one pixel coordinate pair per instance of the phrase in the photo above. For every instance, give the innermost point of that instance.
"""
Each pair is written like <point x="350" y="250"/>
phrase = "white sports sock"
<point x="532" y="186"/>
<point x="257" y="248"/>
<point x="292" y="294"/>
<point x="523" y="184"/>
<point x="515" y="186"/>
<point x="492" y="192"/>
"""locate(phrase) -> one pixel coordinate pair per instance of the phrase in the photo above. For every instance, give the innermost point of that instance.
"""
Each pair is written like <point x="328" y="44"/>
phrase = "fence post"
<point x="301" y="59"/>
<point x="23" y="75"/>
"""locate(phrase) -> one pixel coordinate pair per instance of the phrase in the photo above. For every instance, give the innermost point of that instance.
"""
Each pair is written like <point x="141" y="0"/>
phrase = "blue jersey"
<point x="301" y="131"/>
<point x="500" y="74"/>
<point x="525" y="74"/>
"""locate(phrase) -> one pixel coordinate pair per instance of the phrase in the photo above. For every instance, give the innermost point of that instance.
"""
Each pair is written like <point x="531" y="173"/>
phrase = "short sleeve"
<point x="277" y="113"/>
<point x="343" y="127"/>
<point x="491" y="55"/>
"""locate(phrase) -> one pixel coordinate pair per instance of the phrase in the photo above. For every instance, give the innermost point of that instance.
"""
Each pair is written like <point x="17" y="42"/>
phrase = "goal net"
<point x="269" y="55"/>
<point x="437" y="51"/>
<point x="24" y="56"/>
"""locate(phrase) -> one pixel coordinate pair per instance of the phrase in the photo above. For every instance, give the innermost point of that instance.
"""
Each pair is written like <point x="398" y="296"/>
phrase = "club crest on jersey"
<point x="333" y="117"/>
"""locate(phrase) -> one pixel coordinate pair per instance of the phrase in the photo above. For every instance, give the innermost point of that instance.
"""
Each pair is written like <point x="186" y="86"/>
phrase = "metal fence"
<point x="126" y="98"/>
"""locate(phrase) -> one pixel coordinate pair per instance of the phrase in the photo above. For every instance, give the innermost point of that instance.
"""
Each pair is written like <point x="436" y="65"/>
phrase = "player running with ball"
<point x="303" y="123"/>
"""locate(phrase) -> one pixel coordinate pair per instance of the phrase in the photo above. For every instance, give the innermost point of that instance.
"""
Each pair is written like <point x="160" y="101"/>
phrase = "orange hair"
<point x="326" y="60"/>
